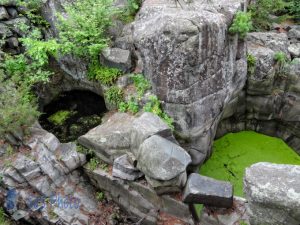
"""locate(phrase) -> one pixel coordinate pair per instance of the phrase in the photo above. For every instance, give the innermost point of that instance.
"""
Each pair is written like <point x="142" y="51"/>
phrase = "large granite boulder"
<point x="194" y="65"/>
<point x="273" y="194"/>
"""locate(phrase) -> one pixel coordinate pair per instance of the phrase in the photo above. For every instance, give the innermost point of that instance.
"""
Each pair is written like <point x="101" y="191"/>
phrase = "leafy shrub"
<point x="114" y="95"/>
<point x="23" y="70"/>
<point x="251" y="61"/>
<point x="141" y="84"/>
<point x="83" y="32"/>
<point x="241" y="24"/>
<point x="17" y="107"/>
<point x="293" y="9"/>
<point x="105" y="75"/>
<point x="154" y="106"/>
<point x="261" y="10"/>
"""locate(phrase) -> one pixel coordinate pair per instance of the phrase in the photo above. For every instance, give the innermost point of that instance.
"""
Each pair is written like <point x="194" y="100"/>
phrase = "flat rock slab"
<point x="273" y="193"/>
<point x="208" y="191"/>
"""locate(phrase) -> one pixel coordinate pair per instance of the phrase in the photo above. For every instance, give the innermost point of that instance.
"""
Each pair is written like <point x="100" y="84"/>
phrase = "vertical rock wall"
<point x="195" y="66"/>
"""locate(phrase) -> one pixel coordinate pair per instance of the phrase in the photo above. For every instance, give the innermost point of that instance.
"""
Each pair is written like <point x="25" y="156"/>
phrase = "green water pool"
<point x="236" y="151"/>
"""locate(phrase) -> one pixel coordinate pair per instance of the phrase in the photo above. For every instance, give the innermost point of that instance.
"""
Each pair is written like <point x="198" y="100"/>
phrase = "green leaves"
<point x="141" y="84"/>
<point x="105" y="75"/>
<point x="261" y="11"/>
<point x="241" y="24"/>
<point x="114" y="95"/>
<point x="86" y="25"/>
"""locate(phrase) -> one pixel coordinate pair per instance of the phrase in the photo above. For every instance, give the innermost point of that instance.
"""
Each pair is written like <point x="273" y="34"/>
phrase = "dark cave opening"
<point x="72" y="114"/>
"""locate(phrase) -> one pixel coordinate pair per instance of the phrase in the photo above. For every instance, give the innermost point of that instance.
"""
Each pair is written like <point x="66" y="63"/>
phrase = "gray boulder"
<point x="5" y="31"/>
<point x="191" y="61"/>
<point x="146" y="126"/>
<point x="3" y="13"/>
<point x="273" y="194"/>
<point x="163" y="187"/>
<point x="117" y="58"/>
<point x="111" y="139"/>
<point x="123" y="169"/>
<point x="204" y="190"/>
<point x="161" y="159"/>
<point x="294" y="49"/>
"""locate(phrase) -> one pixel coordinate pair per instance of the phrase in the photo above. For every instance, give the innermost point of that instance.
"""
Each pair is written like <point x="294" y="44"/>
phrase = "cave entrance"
<point x="72" y="114"/>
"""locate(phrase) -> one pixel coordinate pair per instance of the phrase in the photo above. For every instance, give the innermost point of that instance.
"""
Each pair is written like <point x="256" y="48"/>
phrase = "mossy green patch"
<point x="60" y="117"/>
<point x="236" y="151"/>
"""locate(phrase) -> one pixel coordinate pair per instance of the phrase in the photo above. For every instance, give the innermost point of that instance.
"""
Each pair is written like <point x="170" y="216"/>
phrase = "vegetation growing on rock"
<point x="241" y="24"/>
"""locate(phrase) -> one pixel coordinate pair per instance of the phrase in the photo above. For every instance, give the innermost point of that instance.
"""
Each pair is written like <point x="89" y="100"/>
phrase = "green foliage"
<point x="251" y="61"/>
<point x="83" y="32"/>
<point x="9" y="151"/>
<point x="60" y="117"/>
<point x="93" y="164"/>
<point x="132" y="105"/>
<point x="154" y="106"/>
<point x="293" y="9"/>
<point x="114" y="95"/>
<point x="21" y="69"/>
<point x="261" y="11"/>
<point x="105" y="75"/>
<point x="123" y="107"/>
<point x="141" y="84"/>
<point x="100" y="196"/>
<point x="3" y="220"/>
<point x="242" y="222"/>
<point x="17" y="107"/>
<point x="241" y="24"/>
<point x="281" y="59"/>
<point x="128" y="14"/>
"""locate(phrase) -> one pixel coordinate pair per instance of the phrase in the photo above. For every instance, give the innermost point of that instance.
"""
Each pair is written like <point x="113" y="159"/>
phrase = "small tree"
<point x="17" y="107"/>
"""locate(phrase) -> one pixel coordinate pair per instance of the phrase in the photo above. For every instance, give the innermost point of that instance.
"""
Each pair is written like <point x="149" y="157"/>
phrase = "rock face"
<point x="222" y="216"/>
<point x="47" y="171"/>
<point x="139" y="199"/>
<point x="123" y="169"/>
<point x="194" y="65"/>
<point x="273" y="194"/>
<point x="270" y="102"/>
<point x="204" y="190"/>
<point x="151" y="142"/>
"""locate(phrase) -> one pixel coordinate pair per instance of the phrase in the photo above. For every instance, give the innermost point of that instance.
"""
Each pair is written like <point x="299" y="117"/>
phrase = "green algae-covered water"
<point x="236" y="151"/>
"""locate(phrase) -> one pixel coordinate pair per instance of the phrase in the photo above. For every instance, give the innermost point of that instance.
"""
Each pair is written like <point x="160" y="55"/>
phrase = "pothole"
<point x="72" y="114"/>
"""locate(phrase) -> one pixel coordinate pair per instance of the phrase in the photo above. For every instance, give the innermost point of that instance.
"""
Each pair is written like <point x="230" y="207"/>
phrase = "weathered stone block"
<point x="273" y="193"/>
<point x="204" y="190"/>
<point x="161" y="159"/>
<point x="117" y="58"/>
